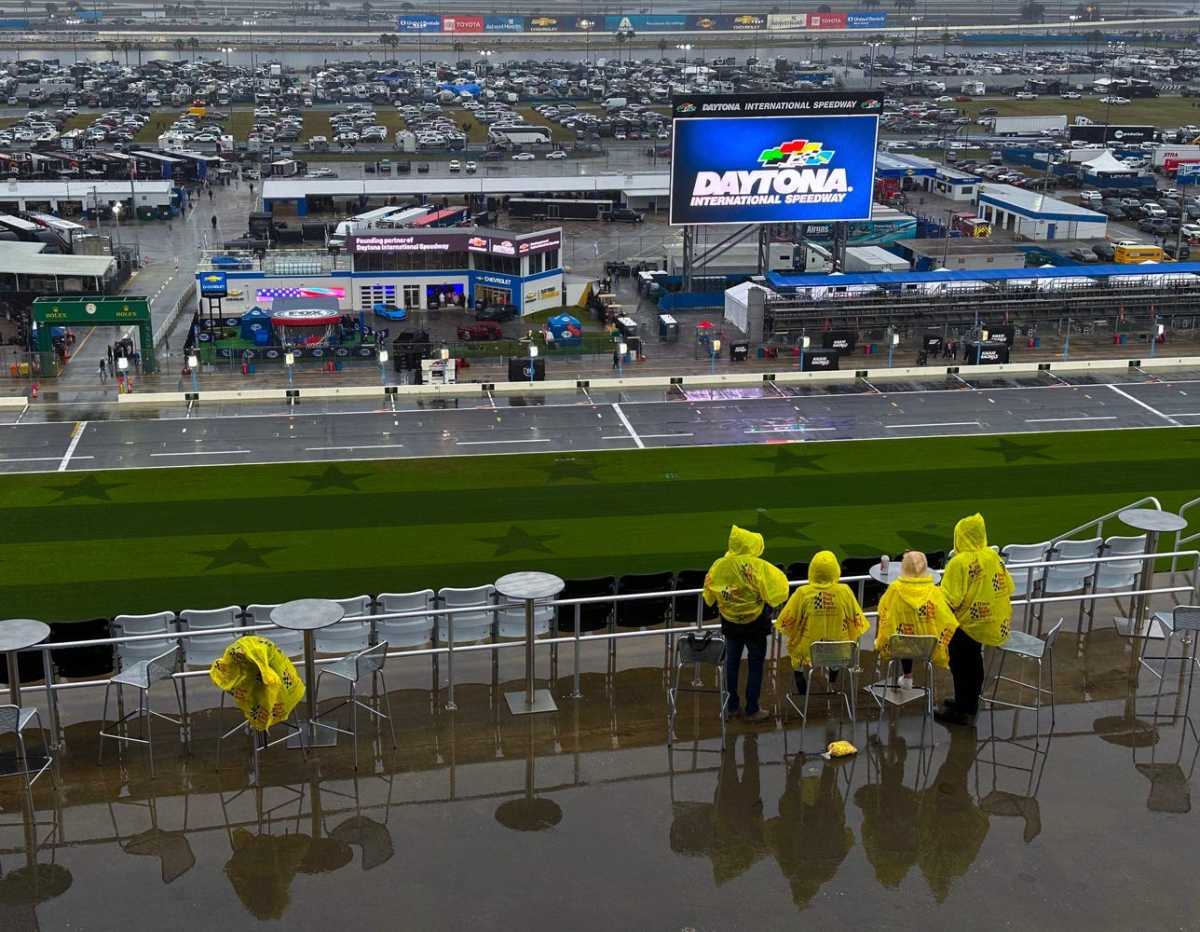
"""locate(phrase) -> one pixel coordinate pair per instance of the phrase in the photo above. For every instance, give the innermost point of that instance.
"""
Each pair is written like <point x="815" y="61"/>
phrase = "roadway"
<point x="574" y="422"/>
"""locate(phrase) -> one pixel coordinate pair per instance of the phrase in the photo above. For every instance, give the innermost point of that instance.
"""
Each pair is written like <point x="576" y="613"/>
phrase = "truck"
<point x="737" y="259"/>
<point x="1029" y="125"/>
<point x="974" y="88"/>
<point x="1167" y="159"/>
<point x="873" y="259"/>
<point x="614" y="103"/>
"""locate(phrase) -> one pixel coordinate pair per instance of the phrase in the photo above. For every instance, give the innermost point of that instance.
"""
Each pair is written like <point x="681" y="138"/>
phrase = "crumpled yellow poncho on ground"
<point x="977" y="585"/>
<point x="261" y="679"/>
<point x="914" y="605"/>
<point x="741" y="581"/>
<point x="823" y="609"/>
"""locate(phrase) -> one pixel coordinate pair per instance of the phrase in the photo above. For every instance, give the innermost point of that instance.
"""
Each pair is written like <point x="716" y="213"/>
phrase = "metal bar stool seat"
<point x="829" y="656"/>
<point x="14" y="719"/>
<point x="141" y="676"/>
<point x="1027" y="647"/>
<point x="353" y="669"/>
<point x="707" y="649"/>
<point x="919" y="649"/>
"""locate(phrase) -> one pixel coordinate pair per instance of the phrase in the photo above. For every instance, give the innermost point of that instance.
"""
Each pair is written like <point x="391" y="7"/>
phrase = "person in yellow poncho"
<point x="744" y="587"/>
<point x="914" y="605"/>
<point x="823" y="609"/>
<point x="978" y="589"/>
<point x="261" y="679"/>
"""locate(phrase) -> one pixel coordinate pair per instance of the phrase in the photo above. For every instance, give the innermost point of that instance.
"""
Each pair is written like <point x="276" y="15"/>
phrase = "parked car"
<point x="1082" y="255"/>
<point x="524" y="157"/>
<point x="1181" y="254"/>
<point x="556" y="154"/>
<point x="497" y="312"/>
<point x="480" y="331"/>
<point x="1104" y="251"/>
<point x="455" y="165"/>
<point x="621" y="215"/>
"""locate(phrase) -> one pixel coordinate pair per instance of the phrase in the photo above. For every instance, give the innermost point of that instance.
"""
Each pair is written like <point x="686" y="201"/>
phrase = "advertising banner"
<point x="703" y="21"/>
<point x="986" y="354"/>
<point x="534" y="243"/>
<point x="549" y="24"/>
<point x="871" y="20"/>
<point x="818" y="360"/>
<point x="841" y="340"/>
<point x="1098" y="132"/>
<point x="743" y="21"/>
<point x="214" y="285"/>
<point x="826" y="20"/>
<point x="418" y="22"/>
<point x="461" y="24"/>
<point x="773" y="158"/>
<point x="787" y="21"/>
<point x="444" y="242"/>
<point x="653" y="22"/>
<point x="504" y="24"/>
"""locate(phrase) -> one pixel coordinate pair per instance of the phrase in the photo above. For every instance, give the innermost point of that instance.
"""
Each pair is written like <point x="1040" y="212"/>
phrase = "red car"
<point x="481" y="330"/>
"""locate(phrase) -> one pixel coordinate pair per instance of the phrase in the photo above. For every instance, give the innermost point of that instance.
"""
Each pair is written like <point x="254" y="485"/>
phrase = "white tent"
<point x="737" y="304"/>
<point x="1108" y="164"/>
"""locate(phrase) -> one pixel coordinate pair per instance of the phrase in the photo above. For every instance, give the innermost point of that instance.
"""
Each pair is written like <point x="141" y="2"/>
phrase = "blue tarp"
<point x="691" y="300"/>
<point x="463" y="88"/>
<point x="781" y="281"/>
<point x="566" y="330"/>
<point x="254" y="322"/>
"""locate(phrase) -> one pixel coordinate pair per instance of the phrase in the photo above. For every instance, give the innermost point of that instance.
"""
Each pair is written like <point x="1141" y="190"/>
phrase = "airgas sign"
<point x="789" y="158"/>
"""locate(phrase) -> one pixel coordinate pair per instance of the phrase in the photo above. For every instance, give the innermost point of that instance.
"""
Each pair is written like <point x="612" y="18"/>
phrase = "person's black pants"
<point x="749" y="638"/>
<point x="966" y="666"/>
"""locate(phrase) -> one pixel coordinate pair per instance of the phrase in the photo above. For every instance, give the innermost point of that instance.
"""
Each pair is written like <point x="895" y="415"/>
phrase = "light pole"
<point x="1067" y="341"/>
<point x="289" y="360"/>
<point x="533" y="351"/>
<point x="227" y="49"/>
<point x="716" y="351"/>
<point x="123" y="370"/>
<point x="684" y="47"/>
<point x="873" y="46"/>
<point x="383" y="358"/>
<point x="193" y="362"/>
<point x="1155" y="335"/>
<point x="892" y="344"/>
<point x="587" y="26"/>
<point x="487" y="54"/>
<point x="913" y="64"/>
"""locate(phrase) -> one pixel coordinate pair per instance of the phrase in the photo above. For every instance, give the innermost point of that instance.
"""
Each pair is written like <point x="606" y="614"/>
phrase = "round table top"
<point x="529" y="585"/>
<point x="18" y="633"/>
<point x="307" y="614"/>
<point x="1151" y="519"/>
<point x="893" y="573"/>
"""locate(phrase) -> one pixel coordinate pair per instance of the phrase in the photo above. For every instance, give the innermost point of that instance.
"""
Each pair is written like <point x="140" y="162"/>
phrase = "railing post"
<point x="577" y="693"/>
<point x="51" y="698"/>
<point x="450" y="704"/>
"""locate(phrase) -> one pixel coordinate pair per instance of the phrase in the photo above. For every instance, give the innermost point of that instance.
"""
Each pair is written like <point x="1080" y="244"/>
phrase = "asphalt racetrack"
<point x="575" y="422"/>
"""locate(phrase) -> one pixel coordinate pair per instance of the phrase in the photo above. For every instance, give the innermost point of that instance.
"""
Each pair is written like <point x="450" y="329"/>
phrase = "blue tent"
<point x="468" y="87"/>
<point x="565" y="329"/>
<point x="256" y="326"/>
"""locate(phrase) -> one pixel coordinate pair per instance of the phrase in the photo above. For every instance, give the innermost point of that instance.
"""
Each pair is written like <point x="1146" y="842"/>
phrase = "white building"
<point x="1037" y="216"/>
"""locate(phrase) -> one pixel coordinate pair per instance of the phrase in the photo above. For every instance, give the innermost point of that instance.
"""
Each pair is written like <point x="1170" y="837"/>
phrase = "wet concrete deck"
<point x="586" y="819"/>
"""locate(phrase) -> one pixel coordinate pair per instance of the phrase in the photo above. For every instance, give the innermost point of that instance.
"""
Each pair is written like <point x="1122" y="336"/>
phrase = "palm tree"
<point x="180" y="45"/>
<point x="895" y="42"/>
<point x="126" y="45"/>
<point x="193" y="44"/>
<point x="622" y="38"/>
<point x="822" y="45"/>
<point x="662" y="48"/>
<point x="945" y="38"/>
<point x="140" y="48"/>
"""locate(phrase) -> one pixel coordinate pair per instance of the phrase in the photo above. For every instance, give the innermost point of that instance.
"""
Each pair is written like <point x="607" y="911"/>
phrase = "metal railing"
<point x="577" y="639"/>
<point x="1181" y="539"/>
<point x="1098" y="523"/>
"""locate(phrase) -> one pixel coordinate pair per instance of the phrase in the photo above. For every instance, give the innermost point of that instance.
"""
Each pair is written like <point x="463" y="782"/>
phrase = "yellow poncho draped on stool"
<point x="261" y="679"/>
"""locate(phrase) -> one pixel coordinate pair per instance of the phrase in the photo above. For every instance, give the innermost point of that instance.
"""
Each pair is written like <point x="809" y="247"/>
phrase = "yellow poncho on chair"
<point x="261" y="679"/>
<point x="823" y="609"/>
<point x="977" y="586"/>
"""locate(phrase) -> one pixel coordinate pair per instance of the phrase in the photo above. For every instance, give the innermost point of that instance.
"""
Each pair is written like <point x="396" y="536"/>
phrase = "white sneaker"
<point x="906" y="681"/>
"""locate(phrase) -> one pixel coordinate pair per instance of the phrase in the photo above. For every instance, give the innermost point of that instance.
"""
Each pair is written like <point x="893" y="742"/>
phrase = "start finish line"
<point x="98" y="311"/>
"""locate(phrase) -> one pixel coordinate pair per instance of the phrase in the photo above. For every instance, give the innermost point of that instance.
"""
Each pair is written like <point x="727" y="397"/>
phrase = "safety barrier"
<point x="13" y="402"/>
<point x="577" y="639"/>
<point x="699" y="380"/>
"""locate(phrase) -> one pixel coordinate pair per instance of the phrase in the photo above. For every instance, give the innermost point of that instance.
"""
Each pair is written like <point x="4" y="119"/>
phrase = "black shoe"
<point x="949" y="705"/>
<point x="801" y="683"/>
<point x="948" y="717"/>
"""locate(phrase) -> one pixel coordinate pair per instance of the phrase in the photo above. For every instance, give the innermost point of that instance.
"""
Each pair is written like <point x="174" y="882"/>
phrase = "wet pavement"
<point x="587" y="819"/>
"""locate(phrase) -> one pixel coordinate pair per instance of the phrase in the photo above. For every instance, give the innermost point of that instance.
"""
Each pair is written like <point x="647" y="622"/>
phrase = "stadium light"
<point x="983" y="336"/>
<point x="383" y="358"/>
<point x="445" y="353"/>
<point x="716" y="351"/>
<point x="805" y="342"/>
<point x="289" y="360"/>
<point x="622" y="349"/>
<point x="193" y="362"/>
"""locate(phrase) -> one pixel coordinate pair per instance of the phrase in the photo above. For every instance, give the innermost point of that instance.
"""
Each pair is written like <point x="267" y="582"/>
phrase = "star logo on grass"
<point x="773" y="529"/>
<point x="515" y="539"/>
<point x="570" y="468"/>
<point x="87" y="487"/>
<point x="787" y="458"/>
<point x="333" y="478"/>
<point x="1013" y="451"/>
<point x="237" y="553"/>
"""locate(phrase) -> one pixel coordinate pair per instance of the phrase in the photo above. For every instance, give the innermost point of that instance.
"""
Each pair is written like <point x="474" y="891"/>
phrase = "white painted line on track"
<point x="934" y="424"/>
<point x="1067" y="420"/>
<point x="204" y="453"/>
<point x="363" y="446"/>
<point x="40" y="459"/>
<point x="629" y="427"/>
<point x="1185" y="414"/>
<point x="1142" y="404"/>
<point x="785" y="430"/>
<point x="479" y="443"/>
<point x="76" y="433"/>
<point x="663" y="436"/>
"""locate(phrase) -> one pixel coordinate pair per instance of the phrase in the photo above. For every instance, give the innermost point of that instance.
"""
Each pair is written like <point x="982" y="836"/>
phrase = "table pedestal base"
<point x="1150" y="630"/>
<point x="543" y="701"/>
<point x="896" y="695"/>
<point x="318" y="734"/>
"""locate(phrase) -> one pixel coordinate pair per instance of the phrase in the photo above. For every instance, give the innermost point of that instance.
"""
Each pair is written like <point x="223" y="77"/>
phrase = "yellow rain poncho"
<point x="914" y="605"/>
<point x="741" y="582"/>
<point x="261" y="679"/>
<point x="823" y="609"/>
<point x="977" y="585"/>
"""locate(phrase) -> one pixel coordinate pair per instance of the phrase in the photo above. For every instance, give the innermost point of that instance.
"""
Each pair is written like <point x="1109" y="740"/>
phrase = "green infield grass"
<point x="80" y="545"/>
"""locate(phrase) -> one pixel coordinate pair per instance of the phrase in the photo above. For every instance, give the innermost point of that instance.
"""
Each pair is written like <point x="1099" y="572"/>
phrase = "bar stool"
<point x="14" y="719"/>
<point x="1027" y="647"/>
<point x="830" y="656"/>
<point x="918" y="648"/>
<point x="353" y="669"/>
<point x="707" y="649"/>
<point x="141" y="676"/>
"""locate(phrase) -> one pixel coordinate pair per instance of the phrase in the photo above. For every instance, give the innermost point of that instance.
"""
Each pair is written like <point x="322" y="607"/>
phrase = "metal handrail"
<point x="577" y="639"/>
<point x="1098" y="523"/>
<point x="1180" y="538"/>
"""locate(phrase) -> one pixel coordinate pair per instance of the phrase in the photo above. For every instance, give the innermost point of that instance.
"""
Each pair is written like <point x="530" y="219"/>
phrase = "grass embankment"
<point x="79" y="546"/>
<point x="159" y="124"/>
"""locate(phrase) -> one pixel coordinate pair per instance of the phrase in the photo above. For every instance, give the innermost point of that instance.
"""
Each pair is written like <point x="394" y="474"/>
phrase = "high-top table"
<point x="529" y="587"/>
<point x="309" y="615"/>
<point x="1153" y="522"/>
<point x="16" y="634"/>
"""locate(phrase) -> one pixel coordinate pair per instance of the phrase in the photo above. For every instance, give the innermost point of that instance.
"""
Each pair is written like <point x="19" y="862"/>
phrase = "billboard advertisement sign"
<point x="460" y="24"/>
<point x="819" y="360"/>
<point x="418" y="22"/>
<point x="743" y="21"/>
<point x="1098" y="132"/>
<point x="826" y="20"/>
<point x="533" y="243"/>
<point x="653" y="22"/>
<point x="773" y="158"/>
<point x="504" y="24"/>
<point x="214" y="285"/>
<point x="443" y="242"/>
<point x="787" y="21"/>
<point x="549" y="24"/>
<point x="872" y="20"/>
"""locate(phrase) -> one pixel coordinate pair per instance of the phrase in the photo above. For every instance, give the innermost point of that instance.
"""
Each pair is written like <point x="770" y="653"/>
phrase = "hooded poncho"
<point x="977" y="586"/>
<point x="914" y="605"/>
<point x="741" y="582"/>
<point x="823" y="609"/>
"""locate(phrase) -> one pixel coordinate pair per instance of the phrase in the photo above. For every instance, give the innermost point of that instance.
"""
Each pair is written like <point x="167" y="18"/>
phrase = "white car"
<point x="1115" y="101"/>
<point x="471" y="168"/>
<point x="1191" y="232"/>
<point x="556" y="155"/>
<point x="1070" y="95"/>
<point x="1026" y="95"/>
<point x="524" y="157"/>
<point x="944" y="99"/>
<point x="455" y="165"/>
